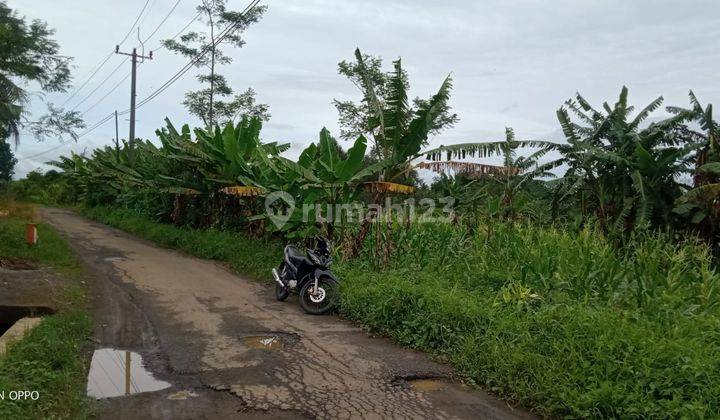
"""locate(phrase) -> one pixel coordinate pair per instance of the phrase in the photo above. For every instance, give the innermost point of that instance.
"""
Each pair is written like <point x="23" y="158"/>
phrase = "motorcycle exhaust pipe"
<point x="277" y="277"/>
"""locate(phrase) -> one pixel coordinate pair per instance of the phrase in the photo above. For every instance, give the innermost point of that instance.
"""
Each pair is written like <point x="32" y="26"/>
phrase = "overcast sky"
<point x="513" y="62"/>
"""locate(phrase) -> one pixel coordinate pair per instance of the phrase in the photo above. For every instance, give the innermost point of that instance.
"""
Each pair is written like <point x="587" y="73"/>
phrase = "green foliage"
<point x="623" y="175"/>
<point x="206" y="103"/>
<point x="51" y="187"/>
<point x="7" y="162"/>
<point x="699" y="205"/>
<point x="560" y="322"/>
<point x="29" y="54"/>
<point x="398" y="130"/>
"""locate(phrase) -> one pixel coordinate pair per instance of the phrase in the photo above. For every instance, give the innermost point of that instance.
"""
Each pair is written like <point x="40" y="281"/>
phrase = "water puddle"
<point x="182" y="395"/>
<point x="270" y="341"/>
<point x="263" y="342"/>
<point x="120" y="372"/>
<point x="426" y="385"/>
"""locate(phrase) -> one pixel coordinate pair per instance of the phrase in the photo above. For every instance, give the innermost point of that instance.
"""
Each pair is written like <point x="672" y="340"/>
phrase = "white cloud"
<point x="513" y="62"/>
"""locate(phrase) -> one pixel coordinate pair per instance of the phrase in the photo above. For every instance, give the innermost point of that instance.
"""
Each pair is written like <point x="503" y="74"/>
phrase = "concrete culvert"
<point x="9" y="315"/>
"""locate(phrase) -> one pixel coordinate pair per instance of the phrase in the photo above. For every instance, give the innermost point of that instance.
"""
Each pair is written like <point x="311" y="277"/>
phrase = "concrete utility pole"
<point x="134" y="55"/>
<point x="117" y="140"/>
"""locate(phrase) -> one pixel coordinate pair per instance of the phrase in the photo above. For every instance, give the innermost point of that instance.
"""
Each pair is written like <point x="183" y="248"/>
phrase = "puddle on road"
<point x="426" y="385"/>
<point x="267" y="342"/>
<point x="274" y="340"/>
<point x="182" y="395"/>
<point x="120" y="372"/>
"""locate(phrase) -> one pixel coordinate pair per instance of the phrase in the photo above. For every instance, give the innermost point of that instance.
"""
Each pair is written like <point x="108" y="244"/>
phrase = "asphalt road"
<point x="228" y="349"/>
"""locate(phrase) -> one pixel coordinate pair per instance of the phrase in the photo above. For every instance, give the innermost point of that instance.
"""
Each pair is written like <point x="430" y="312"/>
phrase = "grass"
<point x="561" y="322"/>
<point x="252" y="257"/>
<point x="51" y="358"/>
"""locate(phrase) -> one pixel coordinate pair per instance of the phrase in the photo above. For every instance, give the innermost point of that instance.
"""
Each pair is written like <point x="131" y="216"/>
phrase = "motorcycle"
<point x="308" y="275"/>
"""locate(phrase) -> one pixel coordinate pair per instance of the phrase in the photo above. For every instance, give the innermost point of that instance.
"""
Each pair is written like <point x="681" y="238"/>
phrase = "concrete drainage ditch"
<point x="16" y="321"/>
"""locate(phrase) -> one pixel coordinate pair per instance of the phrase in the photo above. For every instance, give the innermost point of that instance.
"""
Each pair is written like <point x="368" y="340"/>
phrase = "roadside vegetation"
<point x="575" y="277"/>
<point x="53" y="357"/>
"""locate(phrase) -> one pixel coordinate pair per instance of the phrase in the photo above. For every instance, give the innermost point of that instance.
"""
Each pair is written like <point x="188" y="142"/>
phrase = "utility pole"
<point x="134" y="55"/>
<point x="117" y="140"/>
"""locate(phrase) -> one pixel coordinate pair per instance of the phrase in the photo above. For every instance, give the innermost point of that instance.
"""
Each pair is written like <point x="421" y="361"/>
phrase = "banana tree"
<point x="701" y="204"/>
<point x="624" y="175"/>
<point x="512" y="176"/>
<point x="323" y="175"/>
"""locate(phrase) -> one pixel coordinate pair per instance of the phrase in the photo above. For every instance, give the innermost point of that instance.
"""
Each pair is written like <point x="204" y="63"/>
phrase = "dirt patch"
<point x="31" y="288"/>
<point x="16" y="264"/>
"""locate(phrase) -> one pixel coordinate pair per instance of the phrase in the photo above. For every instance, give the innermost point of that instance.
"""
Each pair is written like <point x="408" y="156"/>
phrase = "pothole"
<point x="16" y="264"/>
<point x="427" y="385"/>
<point x="115" y="372"/>
<point x="9" y="315"/>
<point x="421" y="383"/>
<point x="273" y="340"/>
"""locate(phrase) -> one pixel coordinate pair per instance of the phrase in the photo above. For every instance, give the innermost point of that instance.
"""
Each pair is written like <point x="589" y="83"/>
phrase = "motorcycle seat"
<point x="294" y="257"/>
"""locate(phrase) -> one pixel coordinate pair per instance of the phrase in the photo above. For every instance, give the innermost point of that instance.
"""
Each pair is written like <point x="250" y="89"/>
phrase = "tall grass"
<point x="562" y="322"/>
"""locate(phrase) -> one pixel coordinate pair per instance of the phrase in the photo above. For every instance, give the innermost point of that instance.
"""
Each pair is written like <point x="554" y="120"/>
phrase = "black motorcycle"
<point x="309" y="276"/>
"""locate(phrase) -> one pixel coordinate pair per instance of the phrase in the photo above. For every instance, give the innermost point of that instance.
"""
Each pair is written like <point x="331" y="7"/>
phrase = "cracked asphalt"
<point x="193" y="321"/>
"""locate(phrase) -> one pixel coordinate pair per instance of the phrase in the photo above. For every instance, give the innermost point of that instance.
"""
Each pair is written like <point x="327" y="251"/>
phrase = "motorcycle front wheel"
<point x="281" y="292"/>
<point x="318" y="302"/>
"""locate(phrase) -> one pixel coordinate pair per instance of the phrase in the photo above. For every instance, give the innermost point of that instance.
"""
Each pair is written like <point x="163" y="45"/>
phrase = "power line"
<point x="107" y="94"/>
<point x="180" y="31"/>
<point x="120" y="65"/>
<point x="105" y="60"/>
<point x="197" y="58"/>
<point x="163" y="21"/>
<point x="84" y="133"/>
<point x="102" y="63"/>
<point x="135" y="23"/>
<point x="112" y="73"/>
<point x="225" y="32"/>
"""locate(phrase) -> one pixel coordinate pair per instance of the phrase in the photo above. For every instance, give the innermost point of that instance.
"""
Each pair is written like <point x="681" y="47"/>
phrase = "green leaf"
<point x="328" y="153"/>
<point x="698" y="217"/>
<point x="347" y="168"/>
<point x="230" y="144"/>
<point x="645" y="161"/>
<point x="710" y="168"/>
